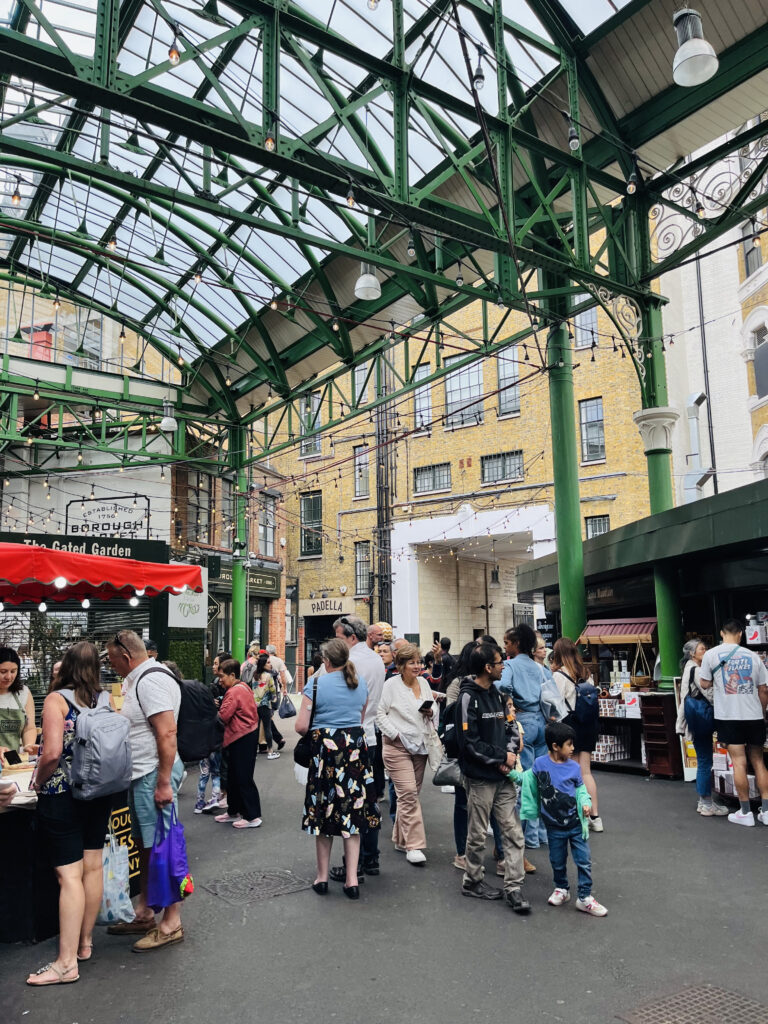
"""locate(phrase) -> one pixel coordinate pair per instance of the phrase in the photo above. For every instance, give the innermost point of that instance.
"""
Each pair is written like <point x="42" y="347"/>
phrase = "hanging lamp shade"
<point x="367" y="286"/>
<point x="695" y="61"/>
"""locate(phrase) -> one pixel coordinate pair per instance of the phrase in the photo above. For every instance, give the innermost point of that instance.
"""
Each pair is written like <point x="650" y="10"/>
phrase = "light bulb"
<point x="573" y="138"/>
<point x="134" y="602"/>
<point x="57" y="300"/>
<point x="198" y="276"/>
<point x="16" y="197"/>
<point x="2" y="606"/>
<point x="60" y="582"/>
<point x="273" y="302"/>
<point x="173" y="53"/>
<point x="36" y="394"/>
<point x="42" y="607"/>
<point x="459" y="277"/>
<point x="350" y="197"/>
<point x="632" y="184"/>
<point x="85" y="603"/>
<point x="140" y="592"/>
<point x="411" y="245"/>
<point x="335" y="324"/>
<point x="478" y="79"/>
<point x="92" y="494"/>
<point x="122" y="332"/>
<point x="373" y="5"/>
<point x="79" y="456"/>
<point x="112" y="243"/>
<point x="270" y="141"/>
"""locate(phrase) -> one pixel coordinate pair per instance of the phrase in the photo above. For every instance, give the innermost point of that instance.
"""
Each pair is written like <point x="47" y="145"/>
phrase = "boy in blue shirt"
<point x="553" y="789"/>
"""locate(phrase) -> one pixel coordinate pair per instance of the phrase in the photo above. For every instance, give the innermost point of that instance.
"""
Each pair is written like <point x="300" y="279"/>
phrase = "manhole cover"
<point x="704" y="1005"/>
<point x="251" y="886"/>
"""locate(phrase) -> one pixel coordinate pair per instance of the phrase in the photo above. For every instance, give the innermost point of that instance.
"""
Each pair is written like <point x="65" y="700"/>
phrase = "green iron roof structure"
<point x="215" y="176"/>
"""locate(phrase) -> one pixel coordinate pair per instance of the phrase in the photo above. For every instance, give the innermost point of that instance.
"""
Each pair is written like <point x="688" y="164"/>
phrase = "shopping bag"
<point x="116" y="898"/>
<point x="286" y="709"/>
<point x="169" y="879"/>
<point x="435" y="752"/>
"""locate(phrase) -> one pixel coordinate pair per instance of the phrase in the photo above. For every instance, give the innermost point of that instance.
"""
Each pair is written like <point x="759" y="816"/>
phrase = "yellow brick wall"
<point x="759" y="416"/>
<point x="610" y="377"/>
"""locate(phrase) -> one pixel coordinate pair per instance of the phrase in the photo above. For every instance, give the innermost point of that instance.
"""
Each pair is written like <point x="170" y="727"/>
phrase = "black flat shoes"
<point x="352" y="892"/>
<point x="321" y="888"/>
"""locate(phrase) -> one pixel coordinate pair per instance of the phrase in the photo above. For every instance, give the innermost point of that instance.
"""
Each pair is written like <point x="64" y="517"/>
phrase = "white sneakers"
<point x="416" y="857"/>
<point x="748" y="819"/>
<point x="711" y="809"/>
<point x="559" y="897"/>
<point x="596" y="825"/>
<point x="591" y="906"/>
<point x="273" y="756"/>
<point x="762" y="817"/>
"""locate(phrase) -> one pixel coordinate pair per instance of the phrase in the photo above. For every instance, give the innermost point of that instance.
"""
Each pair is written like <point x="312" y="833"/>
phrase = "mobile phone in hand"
<point x="427" y="705"/>
<point x="435" y="637"/>
<point x="12" y="757"/>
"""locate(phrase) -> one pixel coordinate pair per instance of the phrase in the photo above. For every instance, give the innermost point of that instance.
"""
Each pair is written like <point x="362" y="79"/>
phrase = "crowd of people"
<point x="501" y="725"/>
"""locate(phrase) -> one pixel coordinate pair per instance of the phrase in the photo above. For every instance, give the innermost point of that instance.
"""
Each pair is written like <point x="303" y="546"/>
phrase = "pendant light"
<point x="695" y="61"/>
<point x="367" y="286"/>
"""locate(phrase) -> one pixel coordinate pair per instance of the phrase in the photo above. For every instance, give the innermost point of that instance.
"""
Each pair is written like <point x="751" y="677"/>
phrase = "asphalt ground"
<point x="686" y="898"/>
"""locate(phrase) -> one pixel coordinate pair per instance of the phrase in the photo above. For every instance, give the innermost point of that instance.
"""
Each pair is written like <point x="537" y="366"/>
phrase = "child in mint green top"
<point x="554" y="791"/>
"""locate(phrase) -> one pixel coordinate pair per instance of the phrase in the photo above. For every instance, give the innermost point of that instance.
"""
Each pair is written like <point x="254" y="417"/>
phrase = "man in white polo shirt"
<point x="740" y="680"/>
<point x="151" y="704"/>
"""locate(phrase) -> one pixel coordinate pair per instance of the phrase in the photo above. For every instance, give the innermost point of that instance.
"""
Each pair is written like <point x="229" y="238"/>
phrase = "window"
<point x="361" y="391"/>
<point x="311" y="522"/>
<point x="592" y="430"/>
<point x="509" y="397"/>
<point x="760" y="336"/>
<point x="505" y="466"/>
<point x="753" y="256"/>
<point x="584" y="325"/>
<point x="362" y="476"/>
<point x="363" y="567"/>
<point x="422" y="399"/>
<point x="199" y="518"/>
<point x="460" y="388"/>
<point x="310" y="420"/>
<point x="432" y="478"/>
<point x="596" y="525"/>
<point x="267" y="519"/>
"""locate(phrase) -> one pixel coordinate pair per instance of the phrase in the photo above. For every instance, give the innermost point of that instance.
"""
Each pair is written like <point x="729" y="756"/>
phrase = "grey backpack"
<point x="101" y="752"/>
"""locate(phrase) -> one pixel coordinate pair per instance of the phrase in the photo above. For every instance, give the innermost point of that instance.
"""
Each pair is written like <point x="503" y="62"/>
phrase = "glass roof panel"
<point x="590" y="14"/>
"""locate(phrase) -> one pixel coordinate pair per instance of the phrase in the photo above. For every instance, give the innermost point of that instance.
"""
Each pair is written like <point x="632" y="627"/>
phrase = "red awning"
<point x="618" y="631"/>
<point x="33" y="574"/>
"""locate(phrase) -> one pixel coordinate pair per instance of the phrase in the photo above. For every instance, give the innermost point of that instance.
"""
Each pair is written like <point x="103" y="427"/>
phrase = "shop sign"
<point x="126" y="516"/>
<point x="326" y="606"/>
<point x="213" y="609"/>
<point x="261" y="582"/>
<point x="141" y="550"/>
<point x="189" y="610"/>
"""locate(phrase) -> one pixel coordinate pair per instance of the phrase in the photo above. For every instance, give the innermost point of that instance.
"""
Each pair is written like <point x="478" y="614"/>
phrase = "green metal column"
<point x="660" y="488"/>
<point x="565" y="463"/>
<point x="240" y="545"/>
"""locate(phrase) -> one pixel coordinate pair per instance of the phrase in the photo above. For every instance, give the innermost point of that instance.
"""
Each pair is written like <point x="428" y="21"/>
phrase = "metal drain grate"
<point x="703" y="1005"/>
<point x="252" y="886"/>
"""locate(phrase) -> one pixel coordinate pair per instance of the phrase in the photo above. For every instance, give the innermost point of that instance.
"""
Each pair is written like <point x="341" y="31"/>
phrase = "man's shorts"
<point x="741" y="732"/>
<point x="144" y="811"/>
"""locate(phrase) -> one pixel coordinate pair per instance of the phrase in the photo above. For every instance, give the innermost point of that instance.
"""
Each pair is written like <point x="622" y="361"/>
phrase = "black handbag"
<point x="302" y="752"/>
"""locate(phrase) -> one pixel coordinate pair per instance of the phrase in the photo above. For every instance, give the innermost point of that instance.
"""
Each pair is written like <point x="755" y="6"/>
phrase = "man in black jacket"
<point x="485" y="762"/>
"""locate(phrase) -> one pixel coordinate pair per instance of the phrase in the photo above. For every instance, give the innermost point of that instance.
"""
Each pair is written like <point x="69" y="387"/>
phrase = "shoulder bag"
<point x="302" y="752"/>
<point x="699" y="713"/>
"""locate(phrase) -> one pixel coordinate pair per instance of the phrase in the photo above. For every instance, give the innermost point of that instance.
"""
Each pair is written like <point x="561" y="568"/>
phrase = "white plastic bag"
<point x="116" y="899"/>
<point x="301" y="774"/>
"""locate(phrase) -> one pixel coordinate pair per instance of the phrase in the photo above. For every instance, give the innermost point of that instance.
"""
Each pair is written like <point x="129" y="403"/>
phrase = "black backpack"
<point x="451" y="730"/>
<point x="586" y="709"/>
<point x="199" y="731"/>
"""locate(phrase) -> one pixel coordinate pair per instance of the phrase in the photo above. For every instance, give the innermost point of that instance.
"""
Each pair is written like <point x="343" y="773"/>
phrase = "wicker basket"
<point x="640" y="677"/>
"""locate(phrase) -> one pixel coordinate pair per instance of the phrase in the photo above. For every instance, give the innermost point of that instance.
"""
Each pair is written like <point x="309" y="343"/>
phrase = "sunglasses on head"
<point x="117" y="642"/>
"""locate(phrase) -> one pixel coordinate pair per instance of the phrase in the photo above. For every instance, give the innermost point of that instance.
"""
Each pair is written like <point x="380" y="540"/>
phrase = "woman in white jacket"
<point x="406" y="713"/>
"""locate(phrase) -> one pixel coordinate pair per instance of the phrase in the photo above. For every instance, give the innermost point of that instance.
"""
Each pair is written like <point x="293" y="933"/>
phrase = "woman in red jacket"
<point x="240" y="716"/>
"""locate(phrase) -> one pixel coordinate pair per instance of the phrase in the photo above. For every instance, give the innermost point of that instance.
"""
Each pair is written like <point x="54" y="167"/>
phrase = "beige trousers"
<point x="407" y="773"/>
<point x="500" y="798"/>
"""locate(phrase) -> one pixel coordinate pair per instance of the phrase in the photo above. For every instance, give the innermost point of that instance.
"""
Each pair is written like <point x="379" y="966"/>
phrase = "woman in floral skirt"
<point x="340" y="797"/>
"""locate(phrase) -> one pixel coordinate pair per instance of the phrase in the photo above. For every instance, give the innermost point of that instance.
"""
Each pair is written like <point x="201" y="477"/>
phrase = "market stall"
<point x="32" y="575"/>
<point x="637" y="721"/>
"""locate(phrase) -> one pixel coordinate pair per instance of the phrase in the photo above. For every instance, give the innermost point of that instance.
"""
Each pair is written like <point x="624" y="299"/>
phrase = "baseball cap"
<point x="386" y="630"/>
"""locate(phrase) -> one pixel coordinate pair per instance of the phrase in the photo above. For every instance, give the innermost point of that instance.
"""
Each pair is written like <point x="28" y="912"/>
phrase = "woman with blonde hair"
<point x="340" y="799"/>
<point x="568" y="669"/>
<point x="406" y="712"/>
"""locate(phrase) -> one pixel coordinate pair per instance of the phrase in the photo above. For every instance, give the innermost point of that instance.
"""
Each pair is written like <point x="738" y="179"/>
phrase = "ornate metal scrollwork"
<point x="707" y="195"/>
<point x="627" y="316"/>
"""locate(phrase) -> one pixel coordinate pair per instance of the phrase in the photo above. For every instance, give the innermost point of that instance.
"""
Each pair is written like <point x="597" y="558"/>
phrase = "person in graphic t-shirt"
<point x="740" y="682"/>
<point x="553" y="790"/>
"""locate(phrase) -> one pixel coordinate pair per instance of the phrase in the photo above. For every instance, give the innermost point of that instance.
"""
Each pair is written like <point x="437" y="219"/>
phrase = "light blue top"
<point x="338" y="707"/>
<point x="521" y="679"/>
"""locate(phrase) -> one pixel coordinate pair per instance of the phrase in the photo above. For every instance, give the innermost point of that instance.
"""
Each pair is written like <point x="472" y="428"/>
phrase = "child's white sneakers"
<point x="559" y="897"/>
<point x="591" y="906"/>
